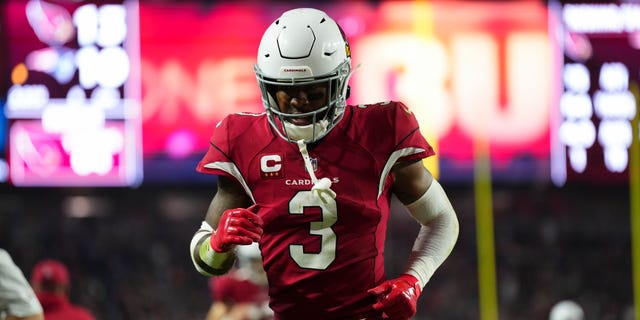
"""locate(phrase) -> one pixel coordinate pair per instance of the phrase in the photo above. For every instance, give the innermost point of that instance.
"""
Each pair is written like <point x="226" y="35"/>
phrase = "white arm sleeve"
<point x="206" y="260"/>
<point x="437" y="236"/>
<point x="16" y="295"/>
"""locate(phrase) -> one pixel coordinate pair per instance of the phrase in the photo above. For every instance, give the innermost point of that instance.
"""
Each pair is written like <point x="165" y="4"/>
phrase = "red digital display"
<point x="593" y="121"/>
<point x="41" y="158"/>
<point x="73" y="106"/>
<point x="463" y="70"/>
<point x="168" y="72"/>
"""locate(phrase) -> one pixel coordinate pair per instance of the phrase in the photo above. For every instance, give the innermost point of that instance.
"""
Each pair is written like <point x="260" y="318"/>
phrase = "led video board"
<point x="593" y="122"/>
<point x="73" y="104"/>
<point x="460" y="68"/>
<point x="4" y="167"/>
<point x="103" y="91"/>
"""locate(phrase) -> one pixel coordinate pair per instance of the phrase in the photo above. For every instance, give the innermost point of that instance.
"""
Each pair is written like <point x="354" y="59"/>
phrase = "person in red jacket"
<point x="242" y="293"/>
<point x="50" y="281"/>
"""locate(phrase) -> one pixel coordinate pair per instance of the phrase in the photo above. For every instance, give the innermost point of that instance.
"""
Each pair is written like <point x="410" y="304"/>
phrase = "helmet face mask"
<point x="302" y="49"/>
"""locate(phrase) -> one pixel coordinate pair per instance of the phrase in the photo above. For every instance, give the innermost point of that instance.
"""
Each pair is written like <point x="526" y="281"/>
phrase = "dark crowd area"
<point x="127" y="249"/>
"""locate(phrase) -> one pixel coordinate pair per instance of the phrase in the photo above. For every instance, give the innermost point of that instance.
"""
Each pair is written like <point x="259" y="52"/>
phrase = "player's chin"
<point x="300" y="121"/>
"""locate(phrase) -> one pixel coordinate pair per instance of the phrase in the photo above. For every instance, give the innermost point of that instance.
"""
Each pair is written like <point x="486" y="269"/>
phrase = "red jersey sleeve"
<point x="234" y="144"/>
<point x="408" y="135"/>
<point x="219" y="288"/>
<point x="232" y="288"/>
<point x="390" y="131"/>
<point x="218" y="152"/>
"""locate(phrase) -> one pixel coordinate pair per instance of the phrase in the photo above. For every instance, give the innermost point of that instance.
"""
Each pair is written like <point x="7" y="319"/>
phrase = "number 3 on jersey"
<point x="327" y="254"/>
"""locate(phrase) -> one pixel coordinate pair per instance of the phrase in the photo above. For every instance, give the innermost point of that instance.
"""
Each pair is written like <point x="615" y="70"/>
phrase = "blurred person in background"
<point x="50" y="281"/>
<point x="17" y="299"/>
<point x="242" y="293"/>
<point x="311" y="180"/>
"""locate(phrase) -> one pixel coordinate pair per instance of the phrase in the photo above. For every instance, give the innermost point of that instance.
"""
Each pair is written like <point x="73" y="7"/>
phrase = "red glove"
<point x="398" y="297"/>
<point x="236" y="226"/>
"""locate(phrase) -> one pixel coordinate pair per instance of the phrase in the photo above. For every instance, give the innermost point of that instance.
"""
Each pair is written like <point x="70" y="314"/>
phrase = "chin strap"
<point x="321" y="188"/>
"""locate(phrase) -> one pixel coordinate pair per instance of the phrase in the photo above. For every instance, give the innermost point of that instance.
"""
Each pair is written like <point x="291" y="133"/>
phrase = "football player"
<point x="241" y="294"/>
<point x="51" y="283"/>
<point x="311" y="181"/>
<point x="18" y="301"/>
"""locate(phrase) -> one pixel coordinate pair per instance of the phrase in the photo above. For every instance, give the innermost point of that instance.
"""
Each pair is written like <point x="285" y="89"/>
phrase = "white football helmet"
<point x="250" y="263"/>
<point x="566" y="310"/>
<point x="302" y="47"/>
<point x="247" y="253"/>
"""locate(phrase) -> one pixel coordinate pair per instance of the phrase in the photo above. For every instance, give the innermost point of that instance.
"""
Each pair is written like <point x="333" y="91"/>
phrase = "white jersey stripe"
<point x="391" y="161"/>
<point x="231" y="169"/>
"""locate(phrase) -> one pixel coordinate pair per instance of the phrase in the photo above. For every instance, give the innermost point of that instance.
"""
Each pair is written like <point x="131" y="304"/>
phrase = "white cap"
<point x="566" y="310"/>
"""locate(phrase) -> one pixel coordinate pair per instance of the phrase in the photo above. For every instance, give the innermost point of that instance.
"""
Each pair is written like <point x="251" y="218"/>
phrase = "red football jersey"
<point x="234" y="287"/>
<point x="320" y="256"/>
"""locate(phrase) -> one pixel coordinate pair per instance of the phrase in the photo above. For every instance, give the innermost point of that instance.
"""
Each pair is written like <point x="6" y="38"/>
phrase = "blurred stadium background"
<point x="531" y="106"/>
